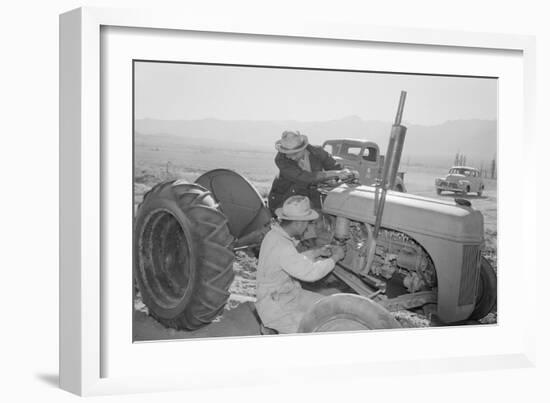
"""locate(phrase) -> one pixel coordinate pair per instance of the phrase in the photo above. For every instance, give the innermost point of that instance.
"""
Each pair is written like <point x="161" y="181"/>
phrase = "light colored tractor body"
<point x="451" y="236"/>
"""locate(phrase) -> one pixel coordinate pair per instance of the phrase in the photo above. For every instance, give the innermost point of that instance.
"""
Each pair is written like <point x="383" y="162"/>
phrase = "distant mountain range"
<point x="438" y="144"/>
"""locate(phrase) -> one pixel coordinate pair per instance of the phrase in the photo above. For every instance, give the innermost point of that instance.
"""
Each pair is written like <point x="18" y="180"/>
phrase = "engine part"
<point x="413" y="282"/>
<point x="411" y="259"/>
<point x="395" y="253"/>
<point x="388" y="267"/>
<point x="341" y="228"/>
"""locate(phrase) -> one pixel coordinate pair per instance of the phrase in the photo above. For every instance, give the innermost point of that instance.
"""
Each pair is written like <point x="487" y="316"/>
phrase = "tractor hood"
<point x="408" y="213"/>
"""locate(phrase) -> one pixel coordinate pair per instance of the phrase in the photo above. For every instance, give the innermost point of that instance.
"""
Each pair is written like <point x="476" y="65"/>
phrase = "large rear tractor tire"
<point x="183" y="258"/>
<point x="342" y="312"/>
<point x="487" y="291"/>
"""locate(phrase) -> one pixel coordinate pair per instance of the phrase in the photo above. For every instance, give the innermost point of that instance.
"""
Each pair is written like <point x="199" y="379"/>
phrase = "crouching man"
<point x="281" y="301"/>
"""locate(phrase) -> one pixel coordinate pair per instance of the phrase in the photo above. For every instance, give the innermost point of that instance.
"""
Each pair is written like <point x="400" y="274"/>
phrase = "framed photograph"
<point x="273" y="188"/>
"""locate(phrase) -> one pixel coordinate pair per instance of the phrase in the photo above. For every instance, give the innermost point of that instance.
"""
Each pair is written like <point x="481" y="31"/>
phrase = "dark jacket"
<point x="293" y="180"/>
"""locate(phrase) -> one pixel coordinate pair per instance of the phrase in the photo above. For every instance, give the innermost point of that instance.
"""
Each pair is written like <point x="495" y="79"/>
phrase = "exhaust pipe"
<point x="391" y="162"/>
<point x="389" y="174"/>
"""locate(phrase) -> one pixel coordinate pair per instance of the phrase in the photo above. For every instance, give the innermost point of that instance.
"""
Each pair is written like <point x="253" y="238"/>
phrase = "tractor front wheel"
<point x="183" y="262"/>
<point x="486" y="291"/>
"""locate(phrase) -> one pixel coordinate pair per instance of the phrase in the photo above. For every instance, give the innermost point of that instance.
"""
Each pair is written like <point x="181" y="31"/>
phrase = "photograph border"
<point x="81" y="173"/>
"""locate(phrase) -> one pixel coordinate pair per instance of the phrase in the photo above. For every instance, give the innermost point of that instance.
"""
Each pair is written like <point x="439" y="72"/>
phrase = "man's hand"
<point x="328" y="175"/>
<point x="325" y="251"/>
<point x="328" y="251"/>
<point x="338" y="253"/>
<point x="322" y="252"/>
<point x="344" y="174"/>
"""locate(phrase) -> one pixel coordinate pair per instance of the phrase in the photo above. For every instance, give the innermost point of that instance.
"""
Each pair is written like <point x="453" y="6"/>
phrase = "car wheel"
<point x="438" y="191"/>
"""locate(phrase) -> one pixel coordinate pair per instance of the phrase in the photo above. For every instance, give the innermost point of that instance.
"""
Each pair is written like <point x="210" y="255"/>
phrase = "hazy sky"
<point x="172" y="91"/>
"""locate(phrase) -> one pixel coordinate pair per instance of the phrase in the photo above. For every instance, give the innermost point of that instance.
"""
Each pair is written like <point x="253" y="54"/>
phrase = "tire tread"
<point x="212" y="242"/>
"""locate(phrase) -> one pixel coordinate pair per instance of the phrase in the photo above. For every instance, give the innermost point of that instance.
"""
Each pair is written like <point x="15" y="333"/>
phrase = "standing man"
<point x="281" y="301"/>
<point x="301" y="167"/>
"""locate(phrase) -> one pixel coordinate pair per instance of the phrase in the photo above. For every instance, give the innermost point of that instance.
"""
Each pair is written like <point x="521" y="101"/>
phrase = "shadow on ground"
<point x="238" y="321"/>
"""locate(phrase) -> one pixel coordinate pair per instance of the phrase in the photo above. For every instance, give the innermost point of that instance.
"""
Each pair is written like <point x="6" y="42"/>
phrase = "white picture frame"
<point x="85" y="346"/>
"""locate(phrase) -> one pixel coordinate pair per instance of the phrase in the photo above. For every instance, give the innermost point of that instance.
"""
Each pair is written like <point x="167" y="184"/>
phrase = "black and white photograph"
<point x="298" y="201"/>
<point x="271" y="200"/>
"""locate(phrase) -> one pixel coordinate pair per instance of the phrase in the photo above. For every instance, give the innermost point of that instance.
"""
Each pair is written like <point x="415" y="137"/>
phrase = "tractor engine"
<point x="397" y="257"/>
<point x="424" y="245"/>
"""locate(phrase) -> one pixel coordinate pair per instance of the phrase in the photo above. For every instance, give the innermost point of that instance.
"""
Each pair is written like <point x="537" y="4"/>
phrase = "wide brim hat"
<point x="291" y="142"/>
<point x="296" y="208"/>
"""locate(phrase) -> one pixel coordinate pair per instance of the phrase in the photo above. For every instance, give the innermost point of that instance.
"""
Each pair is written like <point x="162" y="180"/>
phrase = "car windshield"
<point x="461" y="171"/>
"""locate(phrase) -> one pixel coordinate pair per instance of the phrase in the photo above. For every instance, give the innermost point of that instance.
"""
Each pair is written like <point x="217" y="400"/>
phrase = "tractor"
<point x="402" y="251"/>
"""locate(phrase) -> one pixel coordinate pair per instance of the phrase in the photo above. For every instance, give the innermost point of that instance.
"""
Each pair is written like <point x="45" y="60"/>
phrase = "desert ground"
<point x="157" y="161"/>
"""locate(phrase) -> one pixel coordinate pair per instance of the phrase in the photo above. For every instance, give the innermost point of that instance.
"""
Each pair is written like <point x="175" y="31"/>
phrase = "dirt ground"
<point x="239" y="317"/>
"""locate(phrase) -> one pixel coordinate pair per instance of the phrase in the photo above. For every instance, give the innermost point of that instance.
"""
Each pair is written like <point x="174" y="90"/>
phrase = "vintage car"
<point x="461" y="179"/>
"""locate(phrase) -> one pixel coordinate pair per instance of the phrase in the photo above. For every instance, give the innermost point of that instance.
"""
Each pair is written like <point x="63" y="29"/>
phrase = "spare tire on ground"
<point x="183" y="263"/>
<point x="344" y="312"/>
